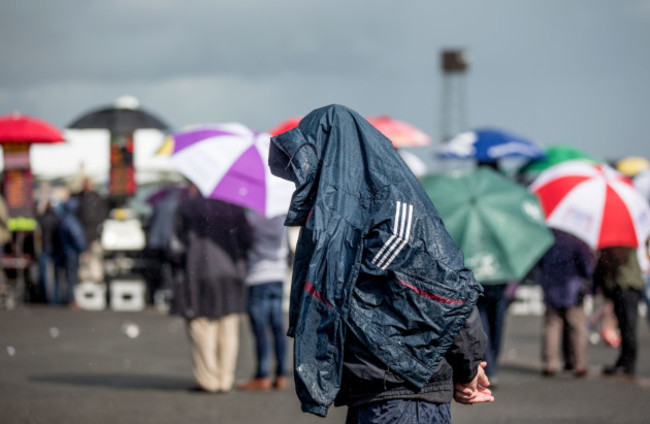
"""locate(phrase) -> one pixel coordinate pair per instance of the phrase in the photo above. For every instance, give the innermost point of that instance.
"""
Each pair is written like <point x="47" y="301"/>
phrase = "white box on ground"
<point x="90" y="296"/>
<point x="127" y="295"/>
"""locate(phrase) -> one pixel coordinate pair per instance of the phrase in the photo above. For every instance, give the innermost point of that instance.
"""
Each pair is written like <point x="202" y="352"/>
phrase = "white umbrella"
<point x="230" y="162"/>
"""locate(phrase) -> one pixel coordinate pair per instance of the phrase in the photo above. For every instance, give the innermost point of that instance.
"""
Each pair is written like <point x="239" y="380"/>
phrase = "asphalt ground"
<point x="68" y="366"/>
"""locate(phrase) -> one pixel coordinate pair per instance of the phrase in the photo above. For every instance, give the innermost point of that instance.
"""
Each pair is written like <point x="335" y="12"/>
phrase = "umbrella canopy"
<point x="554" y="155"/>
<point x="642" y="183"/>
<point x="497" y="223"/>
<point x="20" y="128"/>
<point x="122" y="118"/>
<point x="489" y="145"/>
<point x="593" y="202"/>
<point x="400" y="133"/>
<point x="632" y="165"/>
<point x="230" y="162"/>
<point x="285" y="125"/>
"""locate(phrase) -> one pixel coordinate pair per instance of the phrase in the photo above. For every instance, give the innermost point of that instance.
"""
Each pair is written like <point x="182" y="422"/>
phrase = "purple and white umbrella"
<point x="230" y="162"/>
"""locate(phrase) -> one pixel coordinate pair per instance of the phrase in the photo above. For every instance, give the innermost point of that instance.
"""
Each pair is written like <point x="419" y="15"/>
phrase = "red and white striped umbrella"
<point x="593" y="202"/>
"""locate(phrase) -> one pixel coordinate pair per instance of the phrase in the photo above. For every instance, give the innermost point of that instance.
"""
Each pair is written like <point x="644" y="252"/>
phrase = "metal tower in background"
<point x="454" y="66"/>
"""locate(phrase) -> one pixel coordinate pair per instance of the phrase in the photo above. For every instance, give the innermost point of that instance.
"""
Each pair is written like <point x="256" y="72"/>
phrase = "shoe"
<point x="280" y="383"/>
<point x="547" y="372"/>
<point x="262" y="383"/>
<point x="612" y="370"/>
<point x="580" y="372"/>
<point x="198" y="389"/>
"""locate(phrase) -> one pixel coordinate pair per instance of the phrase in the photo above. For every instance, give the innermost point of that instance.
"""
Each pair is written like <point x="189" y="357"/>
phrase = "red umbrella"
<point x="17" y="133"/>
<point x="401" y="133"/>
<point x="20" y="128"/>
<point x="593" y="202"/>
<point x="285" y="125"/>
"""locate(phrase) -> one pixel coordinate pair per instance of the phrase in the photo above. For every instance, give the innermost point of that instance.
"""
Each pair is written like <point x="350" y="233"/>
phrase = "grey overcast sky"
<point x="556" y="71"/>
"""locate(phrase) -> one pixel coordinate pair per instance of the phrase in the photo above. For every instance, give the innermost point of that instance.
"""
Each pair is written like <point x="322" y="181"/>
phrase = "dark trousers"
<point x="492" y="307"/>
<point x="71" y="267"/>
<point x="626" y="306"/>
<point x="48" y="266"/>
<point x="400" y="411"/>
<point x="265" y="312"/>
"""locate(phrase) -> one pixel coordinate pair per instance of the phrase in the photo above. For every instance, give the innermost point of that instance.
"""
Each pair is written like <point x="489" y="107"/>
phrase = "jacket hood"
<point x="331" y="143"/>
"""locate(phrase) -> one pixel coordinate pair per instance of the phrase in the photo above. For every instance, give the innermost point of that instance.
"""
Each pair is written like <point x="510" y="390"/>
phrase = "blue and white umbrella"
<point x="489" y="145"/>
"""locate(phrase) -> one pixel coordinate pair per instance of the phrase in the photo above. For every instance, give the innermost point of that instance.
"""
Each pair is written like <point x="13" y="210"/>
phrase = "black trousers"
<point x="626" y="306"/>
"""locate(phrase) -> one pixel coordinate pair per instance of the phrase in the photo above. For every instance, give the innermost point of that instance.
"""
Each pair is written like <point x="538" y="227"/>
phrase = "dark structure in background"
<point x="454" y="65"/>
<point x="123" y="239"/>
<point x="121" y="119"/>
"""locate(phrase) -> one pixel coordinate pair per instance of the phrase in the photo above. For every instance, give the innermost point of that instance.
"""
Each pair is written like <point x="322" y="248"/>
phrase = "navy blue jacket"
<point x="70" y="231"/>
<point x="566" y="270"/>
<point x="373" y="256"/>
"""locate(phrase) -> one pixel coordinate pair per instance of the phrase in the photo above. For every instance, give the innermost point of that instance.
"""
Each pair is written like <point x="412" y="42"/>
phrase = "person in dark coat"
<point x="565" y="273"/>
<point x="618" y="273"/>
<point x="382" y="308"/>
<point x="48" y="260"/>
<point x="92" y="212"/>
<point x="158" y="272"/>
<point x="73" y="244"/>
<point x="209" y="245"/>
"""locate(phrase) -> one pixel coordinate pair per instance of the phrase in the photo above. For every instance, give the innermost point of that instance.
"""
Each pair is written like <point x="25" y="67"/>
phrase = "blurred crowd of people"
<point x="614" y="282"/>
<point x="227" y="262"/>
<point x="69" y="229"/>
<point x="220" y="261"/>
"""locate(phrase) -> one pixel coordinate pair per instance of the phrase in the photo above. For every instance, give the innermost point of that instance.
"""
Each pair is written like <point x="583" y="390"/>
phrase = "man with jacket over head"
<point x="382" y="307"/>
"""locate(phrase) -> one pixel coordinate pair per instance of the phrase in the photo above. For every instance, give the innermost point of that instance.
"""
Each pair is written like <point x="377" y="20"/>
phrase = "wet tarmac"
<point x="64" y="366"/>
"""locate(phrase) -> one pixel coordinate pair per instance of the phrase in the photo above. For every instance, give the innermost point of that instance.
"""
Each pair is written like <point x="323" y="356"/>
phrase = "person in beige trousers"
<point x="208" y="249"/>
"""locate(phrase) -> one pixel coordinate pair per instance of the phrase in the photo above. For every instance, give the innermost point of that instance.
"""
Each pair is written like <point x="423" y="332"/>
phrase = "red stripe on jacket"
<point x="309" y="288"/>
<point x="432" y="296"/>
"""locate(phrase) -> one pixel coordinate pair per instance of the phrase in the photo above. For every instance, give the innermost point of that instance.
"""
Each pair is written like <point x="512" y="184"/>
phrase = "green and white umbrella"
<point x="498" y="224"/>
<point x="554" y="155"/>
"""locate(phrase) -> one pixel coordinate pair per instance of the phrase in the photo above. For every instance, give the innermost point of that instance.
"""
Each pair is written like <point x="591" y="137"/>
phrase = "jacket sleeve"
<point x="321" y="290"/>
<point x="466" y="353"/>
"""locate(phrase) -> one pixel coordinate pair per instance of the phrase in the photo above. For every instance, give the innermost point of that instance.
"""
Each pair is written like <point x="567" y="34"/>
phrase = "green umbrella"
<point x="498" y="224"/>
<point x="554" y="154"/>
